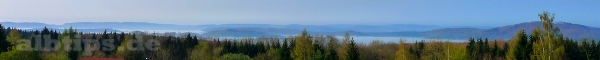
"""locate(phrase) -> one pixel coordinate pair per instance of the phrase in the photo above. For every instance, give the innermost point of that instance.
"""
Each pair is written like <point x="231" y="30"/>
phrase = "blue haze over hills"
<point x="571" y="30"/>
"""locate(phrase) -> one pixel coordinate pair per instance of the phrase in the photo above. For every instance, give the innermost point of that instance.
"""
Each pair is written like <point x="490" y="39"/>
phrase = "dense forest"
<point x="544" y="43"/>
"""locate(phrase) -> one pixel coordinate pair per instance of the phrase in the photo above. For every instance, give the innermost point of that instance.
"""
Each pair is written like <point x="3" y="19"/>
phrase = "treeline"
<point x="301" y="47"/>
<point x="544" y="43"/>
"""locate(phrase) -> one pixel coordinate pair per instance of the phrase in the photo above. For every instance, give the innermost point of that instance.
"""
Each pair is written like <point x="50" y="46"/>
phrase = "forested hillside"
<point x="570" y="30"/>
<point x="548" y="42"/>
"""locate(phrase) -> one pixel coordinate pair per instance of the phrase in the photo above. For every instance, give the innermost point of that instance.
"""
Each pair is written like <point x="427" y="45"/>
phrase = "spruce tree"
<point x="597" y="50"/>
<point x="505" y="50"/>
<point x="353" y="52"/>
<point x="479" y="49"/>
<point x="518" y="46"/>
<point x="285" y="54"/>
<point x="4" y="44"/>
<point x="495" y="50"/>
<point x="593" y="50"/>
<point x="317" y="52"/>
<point x="471" y="47"/>
<point x="331" y="52"/>
<point x="485" y="48"/>
<point x="303" y="47"/>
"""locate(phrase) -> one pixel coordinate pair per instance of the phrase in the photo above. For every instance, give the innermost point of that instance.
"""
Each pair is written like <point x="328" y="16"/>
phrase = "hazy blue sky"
<point x="307" y="12"/>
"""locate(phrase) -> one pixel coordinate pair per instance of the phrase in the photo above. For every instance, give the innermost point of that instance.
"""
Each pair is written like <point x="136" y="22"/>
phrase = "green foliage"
<point x="161" y="54"/>
<point x="495" y="50"/>
<point x="457" y="51"/>
<point x="481" y="50"/>
<point x="519" y="48"/>
<point x="4" y="44"/>
<point x="14" y="36"/>
<point x="403" y="52"/>
<point x="344" y="47"/>
<point x="331" y="53"/>
<point x="286" y="50"/>
<point x="68" y="36"/>
<point x="378" y="50"/>
<point x="317" y="55"/>
<point x="353" y="53"/>
<point x="433" y="50"/>
<point x="204" y="51"/>
<point x="471" y="47"/>
<point x="272" y="54"/>
<point x="57" y="56"/>
<point x="20" y="55"/>
<point x="303" y="47"/>
<point x="546" y="44"/>
<point x="122" y="50"/>
<point x="235" y="57"/>
<point x="550" y="46"/>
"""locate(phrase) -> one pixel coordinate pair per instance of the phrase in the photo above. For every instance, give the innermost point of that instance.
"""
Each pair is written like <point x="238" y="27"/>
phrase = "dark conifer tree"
<point x="188" y="41"/>
<point x="471" y="47"/>
<point x="573" y="51"/>
<point x="353" y="53"/>
<point x="318" y="52"/>
<point x="505" y="49"/>
<point x="331" y="52"/>
<point x="485" y="47"/>
<point x="285" y="53"/>
<point x="597" y="50"/>
<point x="495" y="50"/>
<point x="194" y="40"/>
<point x="523" y="51"/>
<point x="121" y="39"/>
<point x="4" y="44"/>
<point x="478" y="48"/>
<point x="115" y="39"/>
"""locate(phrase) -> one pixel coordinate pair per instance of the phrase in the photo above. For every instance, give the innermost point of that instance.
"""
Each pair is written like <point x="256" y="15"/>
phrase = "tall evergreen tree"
<point x="331" y="46"/>
<point x="317" y="52"/>
<point x="471" y="47"/>
<point x="403" y="52"/>
<point x="353" y="52"/>
<point x="286" y="53"/>
<point x="342" y="54"/>
<point x="495" y="50"/>
<point x="593" y="51"/>
<point x="573" y="51"/>
<point x="4" y="44"/>
<point x="518" y="47"/>
<point x="479" y="49"/>
<point x="485" y="47"/>
<point x="303" y="47"/>
<point x="597" y="50"/>
<point x="73" y="54"/>
<point x="505" y="49"/>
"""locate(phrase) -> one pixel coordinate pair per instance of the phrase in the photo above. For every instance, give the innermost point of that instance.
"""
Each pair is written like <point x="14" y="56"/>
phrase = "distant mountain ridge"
<point x="570" y="30"/>
<point x="210" y="27"/>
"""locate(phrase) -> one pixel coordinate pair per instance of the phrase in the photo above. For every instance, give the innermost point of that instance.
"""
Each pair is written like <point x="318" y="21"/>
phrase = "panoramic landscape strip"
<point x="545" y="42"/>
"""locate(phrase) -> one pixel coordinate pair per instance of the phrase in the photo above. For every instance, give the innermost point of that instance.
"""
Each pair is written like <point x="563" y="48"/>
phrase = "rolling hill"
<point x="570" y="30"/>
